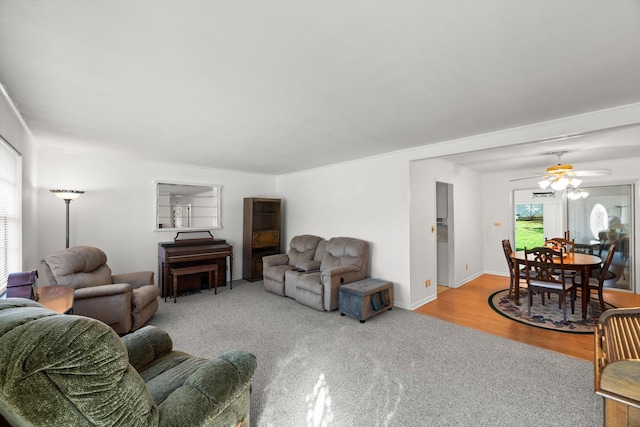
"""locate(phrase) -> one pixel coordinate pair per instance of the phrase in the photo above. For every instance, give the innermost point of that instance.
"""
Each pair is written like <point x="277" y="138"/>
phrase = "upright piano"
<point x="190" y="252"/>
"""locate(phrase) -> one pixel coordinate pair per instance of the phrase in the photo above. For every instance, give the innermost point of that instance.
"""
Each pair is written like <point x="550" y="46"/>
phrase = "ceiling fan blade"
<point x="593" y="172"/>
<point x="525" y="178"/>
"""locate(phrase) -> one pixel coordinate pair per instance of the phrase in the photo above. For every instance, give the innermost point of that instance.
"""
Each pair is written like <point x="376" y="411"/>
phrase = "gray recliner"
<point x="123" y="301"/>
<point x="344" y="261"/>
<point x="305" y="253"/>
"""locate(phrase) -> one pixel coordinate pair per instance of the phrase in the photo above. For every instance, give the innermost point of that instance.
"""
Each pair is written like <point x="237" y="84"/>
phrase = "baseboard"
<point x="469" y="279"/>
<point x="423" y="302"/>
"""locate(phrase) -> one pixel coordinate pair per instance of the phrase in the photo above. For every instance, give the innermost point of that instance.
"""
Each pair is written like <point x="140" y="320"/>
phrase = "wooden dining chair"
<point x="597" y="283"/>
<point x="542" y="276"/>
<point x="513" y="280"/>
<point x="567" y="245"/>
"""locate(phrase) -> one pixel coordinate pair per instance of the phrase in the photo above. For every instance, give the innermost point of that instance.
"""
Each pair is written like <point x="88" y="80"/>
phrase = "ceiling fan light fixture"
<point x="575" y="194"/>
<point x="544" y="184"/>
<point x="560" y="183"/>
<point x="575" y="182"/>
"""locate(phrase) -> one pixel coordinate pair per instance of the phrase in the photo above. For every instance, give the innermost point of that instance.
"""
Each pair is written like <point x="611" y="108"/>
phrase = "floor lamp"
<point x="67" y="196"/>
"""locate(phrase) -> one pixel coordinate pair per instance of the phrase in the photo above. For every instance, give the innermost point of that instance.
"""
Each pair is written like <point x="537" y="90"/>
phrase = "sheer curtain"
<point x="10" y="212"/>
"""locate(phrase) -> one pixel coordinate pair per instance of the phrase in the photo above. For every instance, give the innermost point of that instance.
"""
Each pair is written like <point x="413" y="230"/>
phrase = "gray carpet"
<point x="397" y="369"/>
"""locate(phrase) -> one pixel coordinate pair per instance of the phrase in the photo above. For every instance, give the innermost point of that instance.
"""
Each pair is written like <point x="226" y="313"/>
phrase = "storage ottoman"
<point x="365" y="298"/>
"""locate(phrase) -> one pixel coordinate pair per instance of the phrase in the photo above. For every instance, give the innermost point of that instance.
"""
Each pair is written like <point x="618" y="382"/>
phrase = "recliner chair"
<point x="123" y="301"/>
<point x="68" y="370"/>
<point x="344" y="261"/>
<point x="305" y="253"/>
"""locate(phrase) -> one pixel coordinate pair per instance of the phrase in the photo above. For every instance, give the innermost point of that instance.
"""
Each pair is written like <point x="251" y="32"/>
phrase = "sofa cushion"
<point x="169" y="373"/>
<point x="309" y="282"/>
<point x="79" y="259"/>
<point x="277" y="272"/>
<point x="341" y="251"/>
<point x="302" y="248"/>
<point x="146" y="345"/>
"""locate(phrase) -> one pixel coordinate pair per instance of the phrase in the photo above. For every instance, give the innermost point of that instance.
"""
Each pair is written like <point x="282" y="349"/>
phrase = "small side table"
<point x="365" y="298"/>
<point x="57" y="298"/>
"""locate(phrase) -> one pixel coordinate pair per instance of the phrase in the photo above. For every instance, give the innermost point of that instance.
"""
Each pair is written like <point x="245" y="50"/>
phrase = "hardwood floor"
<point x="468" y="306"/>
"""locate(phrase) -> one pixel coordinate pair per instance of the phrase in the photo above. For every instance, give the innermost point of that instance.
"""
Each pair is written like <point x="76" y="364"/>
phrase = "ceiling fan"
<point x="561" y="176"/>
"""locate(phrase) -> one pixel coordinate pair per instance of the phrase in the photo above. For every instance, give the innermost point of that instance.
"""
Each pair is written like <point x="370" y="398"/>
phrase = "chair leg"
<point x="573" y="301"/>
<point x="529" y="300"/>
<point x="601" y="298"/>
<point x="511" y="280"/>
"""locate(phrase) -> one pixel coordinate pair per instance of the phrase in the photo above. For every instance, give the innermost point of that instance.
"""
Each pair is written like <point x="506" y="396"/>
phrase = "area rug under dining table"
<point x="548" y="316"/>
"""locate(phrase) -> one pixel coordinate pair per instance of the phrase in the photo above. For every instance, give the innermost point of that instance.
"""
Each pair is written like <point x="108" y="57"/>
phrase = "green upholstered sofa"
<point x="68" y="370"/>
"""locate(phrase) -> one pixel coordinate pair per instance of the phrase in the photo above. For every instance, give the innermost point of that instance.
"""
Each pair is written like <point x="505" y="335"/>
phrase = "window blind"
<point x="10" y="212"/>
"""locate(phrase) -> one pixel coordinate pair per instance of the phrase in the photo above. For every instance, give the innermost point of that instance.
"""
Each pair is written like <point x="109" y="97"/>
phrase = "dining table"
<point x="580" y="263"/>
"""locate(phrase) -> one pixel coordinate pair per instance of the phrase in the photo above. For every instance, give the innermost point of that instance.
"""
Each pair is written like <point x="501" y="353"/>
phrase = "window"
<point x="10" y="212"/>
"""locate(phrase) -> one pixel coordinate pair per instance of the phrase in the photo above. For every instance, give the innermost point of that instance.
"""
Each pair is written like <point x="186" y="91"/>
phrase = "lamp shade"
<point x="67" y="194"/>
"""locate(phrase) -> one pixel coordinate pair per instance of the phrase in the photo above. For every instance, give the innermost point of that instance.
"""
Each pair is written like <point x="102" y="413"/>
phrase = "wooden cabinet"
<point x="261" y="235"/>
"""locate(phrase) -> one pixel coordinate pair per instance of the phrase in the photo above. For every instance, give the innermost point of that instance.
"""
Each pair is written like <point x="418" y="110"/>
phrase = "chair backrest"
<point x="605" y="266"/>
<point x="76" y="371"/>
<point x="341" y="251"/>
<point x="541" y="266"/>
<point x="506" y="247"/>
<point x="568" y="246"/>
<point x="78" y="267"/>
<point x="302" y="248"/>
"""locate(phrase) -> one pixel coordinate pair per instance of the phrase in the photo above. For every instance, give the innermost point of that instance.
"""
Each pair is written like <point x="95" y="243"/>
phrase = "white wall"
<point x="374" y="199"/>
<point x="14" y="131"/>
<point x="117" y="211"/>
<point x="466" y="225"/>
<point x="366" y="199"/>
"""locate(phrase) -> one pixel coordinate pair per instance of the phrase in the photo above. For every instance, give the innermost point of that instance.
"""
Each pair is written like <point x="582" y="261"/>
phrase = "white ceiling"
<point x="280" y="86"/>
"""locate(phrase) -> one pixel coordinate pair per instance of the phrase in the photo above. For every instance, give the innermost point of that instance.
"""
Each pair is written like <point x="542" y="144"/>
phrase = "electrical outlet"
<point x="427" y="283"/>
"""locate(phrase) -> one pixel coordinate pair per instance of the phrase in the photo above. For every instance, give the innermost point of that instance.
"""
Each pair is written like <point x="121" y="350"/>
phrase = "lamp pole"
<point x="67" y="196"/>
<point x="67" y="202"/>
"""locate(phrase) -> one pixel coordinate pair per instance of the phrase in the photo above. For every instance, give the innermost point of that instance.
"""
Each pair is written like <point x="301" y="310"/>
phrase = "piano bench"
<point x="176" y="272"/>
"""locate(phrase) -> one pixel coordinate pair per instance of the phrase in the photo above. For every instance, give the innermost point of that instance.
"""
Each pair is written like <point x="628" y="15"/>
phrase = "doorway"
<point x="444" y="237"/>
<point x="538" y="215"/>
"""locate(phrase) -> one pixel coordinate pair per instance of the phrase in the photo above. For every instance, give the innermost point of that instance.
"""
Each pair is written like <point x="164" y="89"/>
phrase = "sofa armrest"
<point x="333" y="278"/>
<point x="102" y="291"/>
<point x="273" y="260"/>
<point x="308" y="265"/>
<point x="348" y="274"/>
<point x="146" y="345"/>
<point x="209" y="390"/>
<point x="137" y="279"/>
